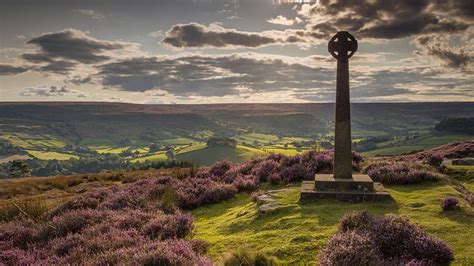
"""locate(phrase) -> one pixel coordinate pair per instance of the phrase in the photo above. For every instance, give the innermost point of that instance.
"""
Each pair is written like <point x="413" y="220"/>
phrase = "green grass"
<point x="256" y="137"/>
<point x="210" y="155"/>
<point x="288" y="152"/>
<point x="177" y="141"/>
<point x="426" y="141"/>
<point x="47" y="143"/>
<point x="51" y="155"/>
<point x="112" y="150"/>
<point x="296" y="232"/>
<point x="15" y="140"/>
<point x="159" y="156"/>
<point x="193" y="147"/>
<point x="141" y="150"/>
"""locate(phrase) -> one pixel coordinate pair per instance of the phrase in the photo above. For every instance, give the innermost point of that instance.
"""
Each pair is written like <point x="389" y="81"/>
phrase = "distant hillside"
<point x="137" y="133"/>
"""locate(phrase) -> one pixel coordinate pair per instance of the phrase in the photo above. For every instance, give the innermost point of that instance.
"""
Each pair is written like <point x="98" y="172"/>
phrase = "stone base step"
<point x="309" y="193"/>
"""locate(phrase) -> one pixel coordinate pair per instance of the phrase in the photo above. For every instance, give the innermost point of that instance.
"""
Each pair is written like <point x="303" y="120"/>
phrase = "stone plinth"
<point x="359" y="188"/>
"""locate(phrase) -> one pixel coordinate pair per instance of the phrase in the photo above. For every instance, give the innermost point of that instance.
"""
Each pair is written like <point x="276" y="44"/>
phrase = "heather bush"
<point x="399" y="173"/>
<point x="170" y="226"/>
<point x="115" y="225"/>
<point x="449" y="204"/>
<point x="434" y="160"/>
<point x="265" y="169"/>
<point x="350" y="248"/>
<point x="193" y="192"/>
<point x="273" y="168"/>
<point x="18" y="234"/>
<point x="387" y="240"/>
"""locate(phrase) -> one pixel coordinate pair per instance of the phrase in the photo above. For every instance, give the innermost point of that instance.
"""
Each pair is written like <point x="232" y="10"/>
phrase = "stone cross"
<point x="342" y="46"/>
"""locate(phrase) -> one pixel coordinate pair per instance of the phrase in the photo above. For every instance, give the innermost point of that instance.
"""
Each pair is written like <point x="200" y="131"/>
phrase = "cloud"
<point x="77" y="80"/>
<point x="156" y="34"/>
<point x="438" y="47"/>
<point x="90" y="13"/>
<point x="206" y="75"/>
<point x="7" y="70"/>
<point x="248" y="76"/>
<point x="391" y="19"/>
<point x="47" y="91"/>
<point x="198" y="35"/>
<point x="70" y="44"/>
<point x="281" y="20"/>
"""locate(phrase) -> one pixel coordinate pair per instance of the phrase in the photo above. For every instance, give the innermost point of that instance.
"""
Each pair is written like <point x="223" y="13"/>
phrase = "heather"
<point x="109" y="226"/>
<point x="460" y="149"/>
<point x="148" y="221"/>
<point x="449" y="204"/>
<point x="389" y="172"/>
<point x="364" y="239"/>
<point x="273" y="168"/>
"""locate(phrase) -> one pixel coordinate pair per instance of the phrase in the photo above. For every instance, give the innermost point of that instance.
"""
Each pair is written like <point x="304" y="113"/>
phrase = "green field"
<point x="51" y="155"/>
<point x="209" y="155"/>
<point x="47" y="143"/>
<point x="178" y="141"/>
<point x="295" y="232"/>
<point x="159" y="156"/>
<point x="112" y="150"/>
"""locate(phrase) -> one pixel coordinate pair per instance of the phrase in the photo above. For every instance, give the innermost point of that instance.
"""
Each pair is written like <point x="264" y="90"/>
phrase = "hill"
<point x="224" y="211"/>
<point x="139" y="133"/>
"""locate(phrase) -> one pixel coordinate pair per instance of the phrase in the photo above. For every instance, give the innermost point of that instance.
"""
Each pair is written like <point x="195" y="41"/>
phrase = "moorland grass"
<point x="425" y="141"/>
<point x="295" y="232"/>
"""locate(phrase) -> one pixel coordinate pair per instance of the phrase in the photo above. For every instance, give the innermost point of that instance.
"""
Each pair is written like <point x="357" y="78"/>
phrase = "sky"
<point x="233" y="51"/>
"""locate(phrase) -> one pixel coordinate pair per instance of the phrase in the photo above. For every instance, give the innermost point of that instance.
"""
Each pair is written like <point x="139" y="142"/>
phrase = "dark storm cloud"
<point x="424" y="24"/>
<point x="391" y="19"/>
<point x="57" y="67"/>
<point x="60" y="52"/>
<point x="70" y="44"/>
<point x="6" y="70"/>
<point x="198" y="35"/>
<point x="212" y="76"/>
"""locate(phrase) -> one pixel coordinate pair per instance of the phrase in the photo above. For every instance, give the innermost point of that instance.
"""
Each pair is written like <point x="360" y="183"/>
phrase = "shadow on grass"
<point x="460" y="216"/>
<point x="417" y="187"/>
<point x="329" y="212"/>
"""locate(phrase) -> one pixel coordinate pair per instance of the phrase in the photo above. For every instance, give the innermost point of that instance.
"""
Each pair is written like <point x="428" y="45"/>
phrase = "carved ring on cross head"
<point x="344" y="42"/>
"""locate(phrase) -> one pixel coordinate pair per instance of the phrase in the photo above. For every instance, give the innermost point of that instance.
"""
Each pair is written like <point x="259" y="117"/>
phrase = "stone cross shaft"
<point x="342" y="46"/>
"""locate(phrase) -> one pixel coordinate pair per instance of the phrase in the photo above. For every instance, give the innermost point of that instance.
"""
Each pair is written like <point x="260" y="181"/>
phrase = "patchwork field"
<point x="141" y="133"/>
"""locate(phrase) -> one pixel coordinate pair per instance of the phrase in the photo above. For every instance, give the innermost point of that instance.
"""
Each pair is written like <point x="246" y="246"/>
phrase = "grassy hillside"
<point x="295" y="232"/>
<point x="209" y="155"/>
<point x="425" y="141"/>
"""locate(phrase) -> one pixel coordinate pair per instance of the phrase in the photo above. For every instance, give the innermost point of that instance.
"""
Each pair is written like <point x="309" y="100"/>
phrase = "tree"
<point x="170" y="154"/>
<point x="18" y="168"/>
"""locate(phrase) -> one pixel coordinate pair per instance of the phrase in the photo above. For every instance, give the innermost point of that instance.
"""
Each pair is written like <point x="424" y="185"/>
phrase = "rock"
<point x="265" y="198"/>
<point x="276" y="191"/>
<point x="266" y="208"/>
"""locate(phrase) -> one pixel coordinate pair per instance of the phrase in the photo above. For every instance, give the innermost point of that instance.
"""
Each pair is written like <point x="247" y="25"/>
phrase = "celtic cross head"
<point x="342" y="45"/>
